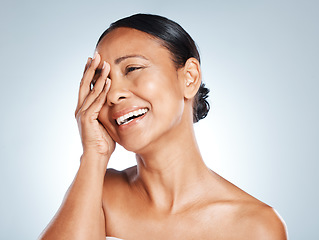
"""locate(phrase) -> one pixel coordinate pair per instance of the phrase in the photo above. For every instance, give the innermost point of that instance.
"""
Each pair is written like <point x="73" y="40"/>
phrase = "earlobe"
<point x="192" y="74"/>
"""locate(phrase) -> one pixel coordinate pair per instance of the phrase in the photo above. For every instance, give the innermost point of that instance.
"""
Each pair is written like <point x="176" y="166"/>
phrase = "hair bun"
<point x="201" y="105"/>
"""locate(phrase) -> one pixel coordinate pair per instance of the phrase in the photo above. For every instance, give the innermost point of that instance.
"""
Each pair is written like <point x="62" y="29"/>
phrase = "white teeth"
<point x="123" y="119"/>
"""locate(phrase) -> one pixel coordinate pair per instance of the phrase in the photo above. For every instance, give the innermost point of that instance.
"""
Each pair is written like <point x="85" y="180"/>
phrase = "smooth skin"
<point x="170" y="194"/>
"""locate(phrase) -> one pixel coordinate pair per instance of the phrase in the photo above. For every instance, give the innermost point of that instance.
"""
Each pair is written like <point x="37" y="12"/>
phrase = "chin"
<point x="134" y="145"/>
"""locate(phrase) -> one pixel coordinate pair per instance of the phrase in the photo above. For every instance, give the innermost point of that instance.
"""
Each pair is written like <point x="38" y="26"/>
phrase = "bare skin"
<point x="170" y="194"/>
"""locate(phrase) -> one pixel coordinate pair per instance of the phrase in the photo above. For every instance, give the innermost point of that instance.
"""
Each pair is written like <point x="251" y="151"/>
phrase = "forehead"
<point x="128" y="41"/>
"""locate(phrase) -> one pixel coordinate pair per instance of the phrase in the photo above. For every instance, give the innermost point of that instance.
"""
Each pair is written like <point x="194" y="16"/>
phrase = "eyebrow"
<point x="120" y="59"/>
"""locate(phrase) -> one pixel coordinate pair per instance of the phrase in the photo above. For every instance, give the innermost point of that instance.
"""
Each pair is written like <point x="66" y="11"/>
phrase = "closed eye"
<point x="131" y="69"/>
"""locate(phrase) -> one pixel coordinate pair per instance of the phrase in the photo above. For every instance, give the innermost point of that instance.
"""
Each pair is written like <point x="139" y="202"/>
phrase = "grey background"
<point x="259" y="58"/>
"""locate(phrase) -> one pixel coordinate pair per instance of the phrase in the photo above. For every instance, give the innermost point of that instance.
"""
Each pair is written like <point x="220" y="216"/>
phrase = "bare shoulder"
<point x="117" y="183"/>
<point x="113" y="175"/>
<point x="248" y="217"/>
<point x="260" y="221"/>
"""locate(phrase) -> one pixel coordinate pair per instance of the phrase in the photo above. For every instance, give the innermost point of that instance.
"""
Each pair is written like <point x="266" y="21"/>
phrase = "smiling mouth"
<point x="125" y="119"/>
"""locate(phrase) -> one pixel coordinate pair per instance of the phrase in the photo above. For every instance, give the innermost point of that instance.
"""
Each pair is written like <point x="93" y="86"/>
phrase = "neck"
<point x="172" y="173"/>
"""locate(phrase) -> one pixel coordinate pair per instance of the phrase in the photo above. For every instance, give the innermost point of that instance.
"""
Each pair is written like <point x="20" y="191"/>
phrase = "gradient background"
<point x="259" y="58"/>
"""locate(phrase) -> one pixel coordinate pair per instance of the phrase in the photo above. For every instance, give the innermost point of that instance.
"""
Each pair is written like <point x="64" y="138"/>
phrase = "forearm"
<point x="81" y="214"/>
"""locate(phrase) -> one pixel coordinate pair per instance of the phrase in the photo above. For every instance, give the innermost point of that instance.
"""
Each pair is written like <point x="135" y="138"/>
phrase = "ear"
<point x="192" y="77"/>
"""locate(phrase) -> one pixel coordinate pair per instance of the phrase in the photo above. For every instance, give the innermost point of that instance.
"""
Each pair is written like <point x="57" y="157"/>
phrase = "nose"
<point x="118" y="92"/>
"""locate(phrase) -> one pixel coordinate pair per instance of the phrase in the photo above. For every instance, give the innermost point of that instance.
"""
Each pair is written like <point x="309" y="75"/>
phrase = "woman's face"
<point x="145" y="102"/>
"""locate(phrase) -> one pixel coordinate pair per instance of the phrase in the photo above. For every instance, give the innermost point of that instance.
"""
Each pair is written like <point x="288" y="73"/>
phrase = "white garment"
<point x="113" y="238"/>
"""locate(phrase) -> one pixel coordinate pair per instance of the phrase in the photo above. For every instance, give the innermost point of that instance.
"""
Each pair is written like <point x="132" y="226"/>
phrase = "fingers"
<point x="87" y="78"/>
<point x="98" y="87"/>
<point x="99" y="101"/>
<point x="88" y="62"/>
<point x="89" y="72"/>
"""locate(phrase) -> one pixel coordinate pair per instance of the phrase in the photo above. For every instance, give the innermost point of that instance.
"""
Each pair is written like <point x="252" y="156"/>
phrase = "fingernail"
<point x="95" y="54"/>
<point x="104" y="64"/>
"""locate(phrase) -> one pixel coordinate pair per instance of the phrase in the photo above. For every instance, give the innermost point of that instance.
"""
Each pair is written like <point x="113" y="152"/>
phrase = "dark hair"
<point x="176" y="40"/>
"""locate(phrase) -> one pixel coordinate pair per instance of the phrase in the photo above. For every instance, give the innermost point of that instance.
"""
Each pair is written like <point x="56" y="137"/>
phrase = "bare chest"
<point x="145" y="224"/>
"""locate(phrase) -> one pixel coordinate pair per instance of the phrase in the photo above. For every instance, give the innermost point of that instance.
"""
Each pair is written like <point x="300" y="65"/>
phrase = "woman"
<point x="143" y="90"/>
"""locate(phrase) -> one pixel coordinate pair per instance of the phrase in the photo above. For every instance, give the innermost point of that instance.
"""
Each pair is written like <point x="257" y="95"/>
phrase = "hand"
<point x="95" y="138"/>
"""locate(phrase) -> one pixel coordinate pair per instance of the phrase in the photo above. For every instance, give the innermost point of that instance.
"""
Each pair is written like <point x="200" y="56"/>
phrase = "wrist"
<point x="94" y="161"/>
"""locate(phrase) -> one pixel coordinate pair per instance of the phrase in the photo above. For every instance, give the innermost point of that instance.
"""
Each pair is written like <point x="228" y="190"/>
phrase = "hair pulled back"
<point x="176" y="40"/>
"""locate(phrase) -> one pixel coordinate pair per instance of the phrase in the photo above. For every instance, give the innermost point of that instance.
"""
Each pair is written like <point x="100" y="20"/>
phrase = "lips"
<point x="130" y="116"/>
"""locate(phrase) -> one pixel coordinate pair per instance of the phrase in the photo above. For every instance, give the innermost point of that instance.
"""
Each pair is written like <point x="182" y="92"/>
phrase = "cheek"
<point x="147" y="82"/>
<point x="164" y="95"/>
<point x="159" y="84"/>
<point x="146" y="87"/>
